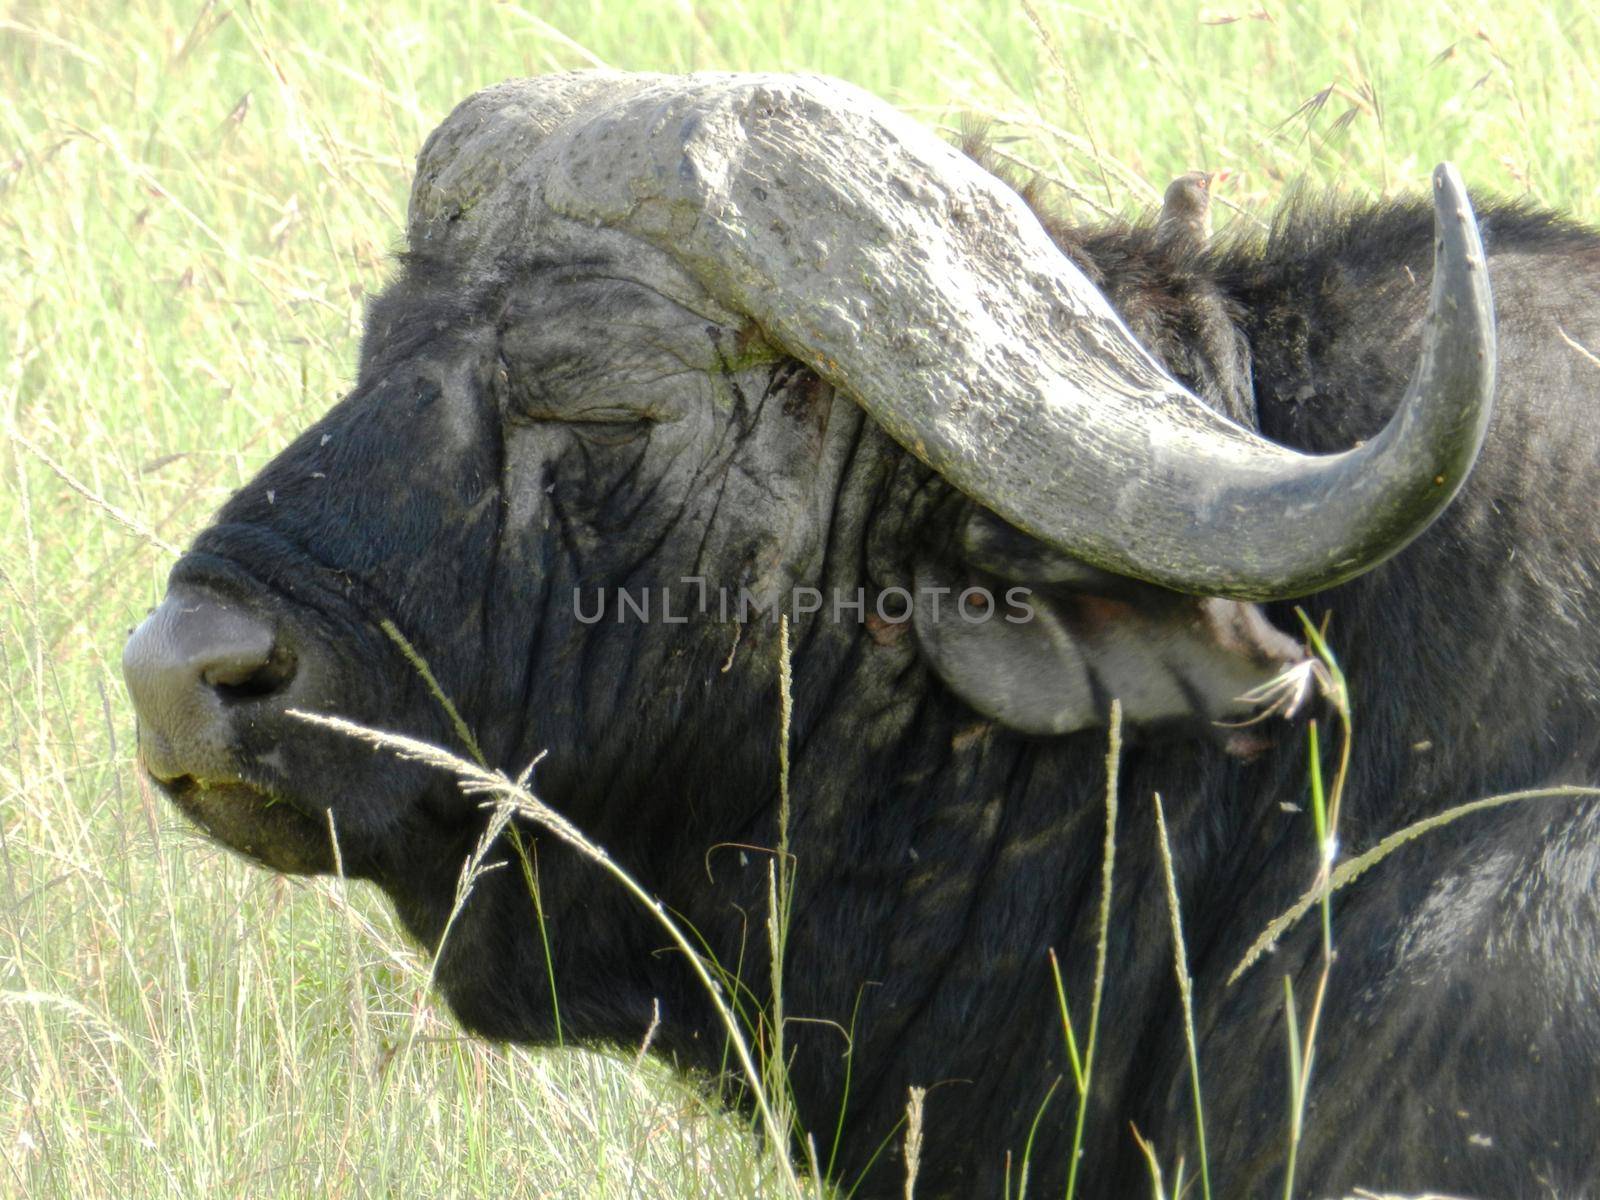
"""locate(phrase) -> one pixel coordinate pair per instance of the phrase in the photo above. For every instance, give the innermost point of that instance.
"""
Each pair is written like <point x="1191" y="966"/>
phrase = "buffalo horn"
<point x="901" y="272"/>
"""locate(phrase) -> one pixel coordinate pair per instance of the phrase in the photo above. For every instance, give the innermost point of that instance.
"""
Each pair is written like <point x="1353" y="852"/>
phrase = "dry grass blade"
<point x="1352" y="869"/>
<point x="1034" y="171"/>
<point x="1070" y="84"/>
<point x="1578" y="346"/>
<point x="121" y="516"/>
<point x="1103" y="941"/>
<point x="505" y="793"/>
<point x="1180" y="968"/>
<point x="1152" y="1162"/>
<point x="913" y="1138"/>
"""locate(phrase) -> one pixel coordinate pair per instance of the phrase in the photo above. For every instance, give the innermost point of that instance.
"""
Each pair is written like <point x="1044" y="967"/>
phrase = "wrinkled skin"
<point x="600" y="423"/>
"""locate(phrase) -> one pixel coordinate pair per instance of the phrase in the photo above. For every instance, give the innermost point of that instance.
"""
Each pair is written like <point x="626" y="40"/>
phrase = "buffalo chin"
<point x="255" y="823"/>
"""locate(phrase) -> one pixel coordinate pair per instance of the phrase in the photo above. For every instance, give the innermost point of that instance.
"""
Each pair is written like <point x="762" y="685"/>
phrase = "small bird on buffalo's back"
<point x="1185" y="220"/>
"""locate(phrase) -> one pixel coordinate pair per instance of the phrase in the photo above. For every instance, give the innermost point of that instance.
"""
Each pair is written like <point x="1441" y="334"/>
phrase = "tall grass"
<point x="195" y="198"/>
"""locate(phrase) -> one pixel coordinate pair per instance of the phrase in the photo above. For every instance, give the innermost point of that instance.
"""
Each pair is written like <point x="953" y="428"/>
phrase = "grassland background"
<point x="195" y="198"/>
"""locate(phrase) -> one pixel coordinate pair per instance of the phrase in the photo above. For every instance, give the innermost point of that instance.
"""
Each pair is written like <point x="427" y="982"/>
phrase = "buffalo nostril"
<point x="190" y="662"/>
<point x="247" y="675"/>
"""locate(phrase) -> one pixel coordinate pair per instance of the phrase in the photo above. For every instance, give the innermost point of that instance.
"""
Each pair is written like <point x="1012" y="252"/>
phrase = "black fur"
<point x="938" y="857"/>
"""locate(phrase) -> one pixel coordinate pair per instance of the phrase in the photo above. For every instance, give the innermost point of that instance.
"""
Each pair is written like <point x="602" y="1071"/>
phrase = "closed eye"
<point x="608" y="432"/>
<point x="526" y="412"/>
<point x="606" y="415"/>
<point x="603" y="426"/>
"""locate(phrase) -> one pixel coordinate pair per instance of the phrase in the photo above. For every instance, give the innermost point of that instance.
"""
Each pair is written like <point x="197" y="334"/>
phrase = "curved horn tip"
<point x="1454" y="219"/>
<point x="1447" y="179"/>
<point x="1460" y="275"/>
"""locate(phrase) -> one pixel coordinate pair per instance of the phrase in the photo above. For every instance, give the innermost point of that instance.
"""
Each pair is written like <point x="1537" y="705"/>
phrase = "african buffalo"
<point x="718" y="336"/>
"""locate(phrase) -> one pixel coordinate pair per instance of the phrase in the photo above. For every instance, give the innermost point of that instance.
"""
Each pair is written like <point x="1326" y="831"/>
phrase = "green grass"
<point x="194" y="200"/>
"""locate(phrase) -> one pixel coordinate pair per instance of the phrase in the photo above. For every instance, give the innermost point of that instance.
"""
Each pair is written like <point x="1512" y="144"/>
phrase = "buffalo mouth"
<point x="255" y="823"/>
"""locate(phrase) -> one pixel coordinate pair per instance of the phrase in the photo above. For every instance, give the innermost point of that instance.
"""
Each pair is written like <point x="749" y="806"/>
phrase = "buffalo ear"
<point x="1049" y="658"/>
